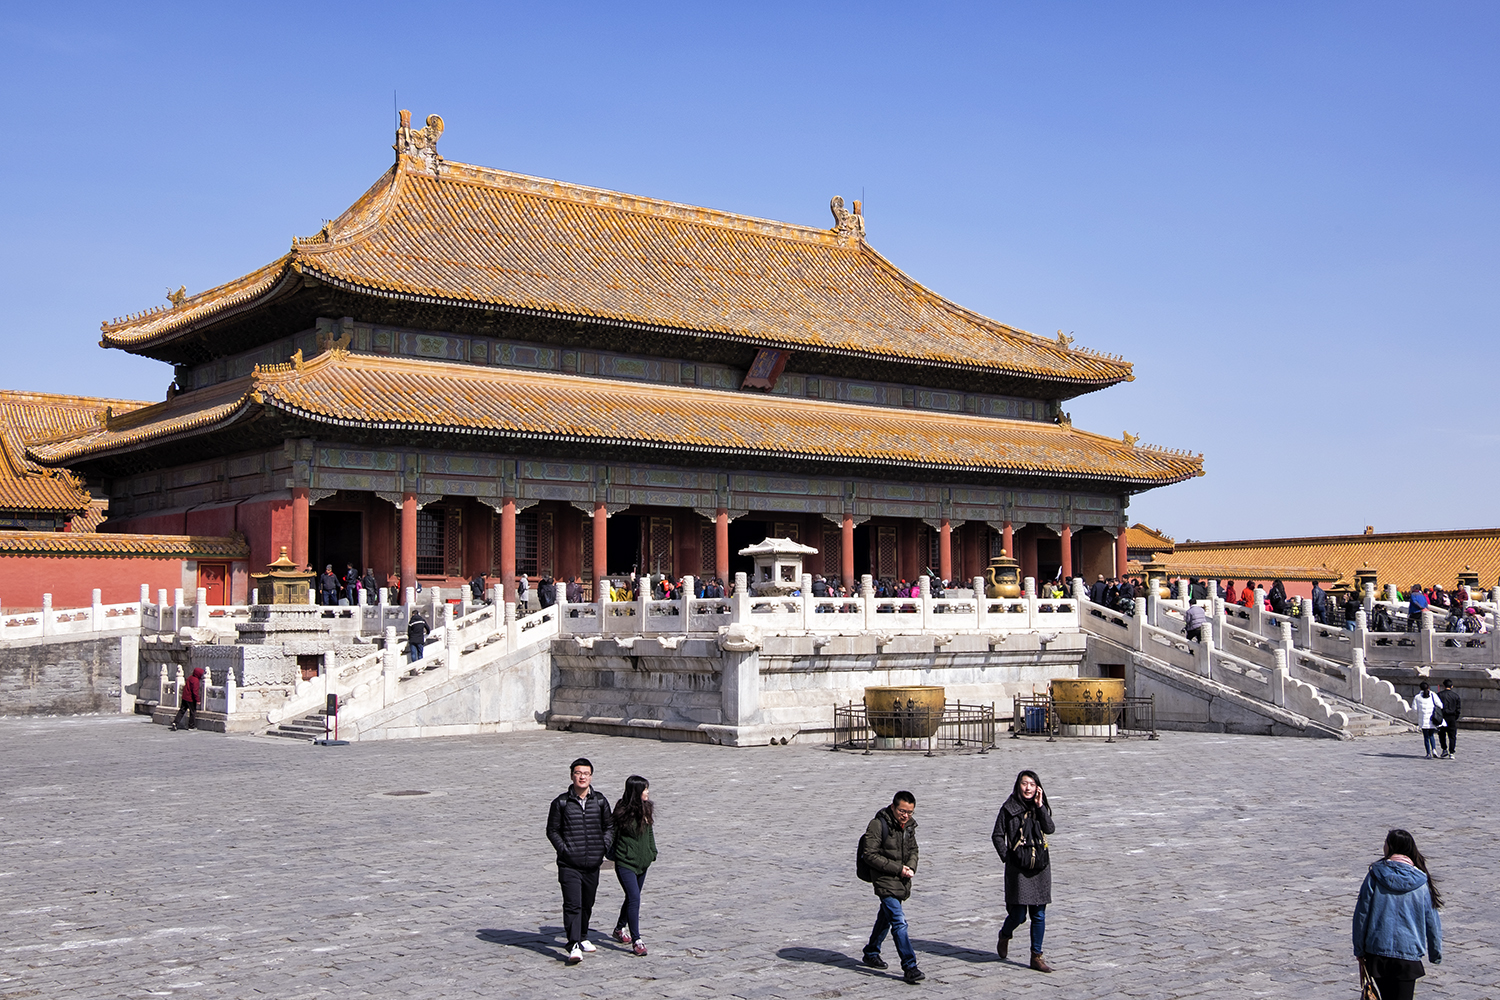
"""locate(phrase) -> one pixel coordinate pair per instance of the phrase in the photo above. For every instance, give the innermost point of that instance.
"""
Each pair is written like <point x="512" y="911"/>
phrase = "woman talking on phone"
<point x="1020" y="838"/>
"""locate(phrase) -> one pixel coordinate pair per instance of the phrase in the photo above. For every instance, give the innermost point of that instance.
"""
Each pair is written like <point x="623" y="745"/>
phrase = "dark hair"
<point x="1015" y="792"/>
<point x="1401" y="842"/>
<point x="903" y="796"/>
<point x="581" y="762"/>
<point x="633" y="813"/>
<point x="1423" y="685"/>
<point x="1447" y="682"/>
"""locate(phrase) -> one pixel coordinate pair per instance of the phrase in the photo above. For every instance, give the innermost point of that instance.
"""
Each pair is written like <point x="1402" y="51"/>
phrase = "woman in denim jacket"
<point x="1396" y="919"/>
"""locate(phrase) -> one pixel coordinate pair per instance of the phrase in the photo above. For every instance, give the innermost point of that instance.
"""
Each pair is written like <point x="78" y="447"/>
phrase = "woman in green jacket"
<point x="634" y="850"/>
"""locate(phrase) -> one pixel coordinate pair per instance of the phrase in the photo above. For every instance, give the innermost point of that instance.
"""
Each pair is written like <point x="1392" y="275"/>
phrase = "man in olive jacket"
<point x="582" y="830"/>
<point x="889" y="850"/>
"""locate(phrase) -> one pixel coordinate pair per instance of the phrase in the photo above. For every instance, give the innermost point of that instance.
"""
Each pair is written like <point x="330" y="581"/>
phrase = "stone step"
<point x="307" y="727"/>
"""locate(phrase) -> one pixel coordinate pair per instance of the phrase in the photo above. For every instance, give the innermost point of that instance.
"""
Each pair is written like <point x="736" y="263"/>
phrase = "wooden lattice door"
<point x="885" y="553"/>
<point x="659" y="551"/>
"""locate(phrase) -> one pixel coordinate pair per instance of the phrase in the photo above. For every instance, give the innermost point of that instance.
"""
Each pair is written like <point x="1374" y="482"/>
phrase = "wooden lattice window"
<point x="833" y="550"/>
<point x="431" y="547"/>
<point x="707" y="542"/>
<point x="545" y="546"/>
<point x="885" y="553"/>
<point x="660" y="557"/>
<point x="527" y="543"/>
<point x="788" y="529"/>
<point x="997" y="544"/>
<point x="588" y="552"/>
<point x="454" y="542"/>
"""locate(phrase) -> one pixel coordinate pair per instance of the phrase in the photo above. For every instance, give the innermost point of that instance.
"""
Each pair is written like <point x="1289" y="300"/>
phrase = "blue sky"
<point x="1284" y="214"/>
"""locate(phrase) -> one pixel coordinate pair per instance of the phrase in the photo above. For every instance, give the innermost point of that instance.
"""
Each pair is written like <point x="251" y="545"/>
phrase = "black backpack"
<point x="863" y="870"/>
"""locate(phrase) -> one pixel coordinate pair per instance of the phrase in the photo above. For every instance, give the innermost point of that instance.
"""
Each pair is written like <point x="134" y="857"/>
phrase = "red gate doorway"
<point x="213" y="580"/>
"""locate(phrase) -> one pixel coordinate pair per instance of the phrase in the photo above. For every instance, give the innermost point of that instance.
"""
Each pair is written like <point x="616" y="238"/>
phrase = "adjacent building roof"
<point x="441" y="232"/>
<point x="404" y="396"/>
<point x="70" y="543"/>
<point x="1145" y="539"/>
<point x="31" y="417"/>
<point x="1402" y="558"/>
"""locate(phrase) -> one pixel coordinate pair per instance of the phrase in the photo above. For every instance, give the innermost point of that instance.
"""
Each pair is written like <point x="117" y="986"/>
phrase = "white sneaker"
<point x="575" y="956"/>
<point x="587" y="945"/>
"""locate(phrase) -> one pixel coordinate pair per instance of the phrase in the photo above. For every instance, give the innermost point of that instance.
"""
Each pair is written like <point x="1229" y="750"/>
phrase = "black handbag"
<point x="1030" y="848"/>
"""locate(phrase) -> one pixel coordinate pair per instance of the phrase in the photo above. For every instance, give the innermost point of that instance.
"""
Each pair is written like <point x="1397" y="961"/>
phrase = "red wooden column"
<point x="408" y="556"/>
<point x="721" y="545"/>
<point x="299" y="526"/>
<point x="1027" y="558"/>
<point x="601" y="545"/>
<point x="945" y="550"/>
<point x="1007" y="541"/>
<point x="846" y="551"/>
<point x="1121" y="550"/>
<point x="508" y="550"/>
<point x="1067" y="552"/>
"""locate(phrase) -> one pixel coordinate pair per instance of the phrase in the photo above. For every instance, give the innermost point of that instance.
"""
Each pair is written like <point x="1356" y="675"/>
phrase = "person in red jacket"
<point x="189" y="699"/>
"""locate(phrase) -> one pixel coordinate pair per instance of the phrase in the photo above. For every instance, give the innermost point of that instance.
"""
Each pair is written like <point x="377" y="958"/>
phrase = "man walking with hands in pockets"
<point x="888" y="860"/>
<point x="582" y="830"/>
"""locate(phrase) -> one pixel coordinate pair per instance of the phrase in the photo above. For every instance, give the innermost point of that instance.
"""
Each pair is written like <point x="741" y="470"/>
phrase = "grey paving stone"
<point x="136" y="862"/>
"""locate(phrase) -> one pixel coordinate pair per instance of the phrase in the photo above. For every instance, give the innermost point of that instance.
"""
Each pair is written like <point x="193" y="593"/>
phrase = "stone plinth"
<point x="300" y="625"/>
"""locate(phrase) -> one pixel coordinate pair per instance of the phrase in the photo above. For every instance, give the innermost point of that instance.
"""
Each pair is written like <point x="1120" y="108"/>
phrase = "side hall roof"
<point x="31" y="417"/>
<point x="410" y="396"/>
<point x="448" y="233"/>
<point x="1402" y="558"/>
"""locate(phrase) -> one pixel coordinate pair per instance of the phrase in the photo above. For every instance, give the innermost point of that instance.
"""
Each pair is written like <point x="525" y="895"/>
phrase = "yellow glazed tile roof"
<point x="1402" y="558"/>
<point x="1142" y="537"/>
<point x="75" y="543"/>
<point x="493" y="239"/>
<point x="404" y="395"/>
<point x="31" y="417"/>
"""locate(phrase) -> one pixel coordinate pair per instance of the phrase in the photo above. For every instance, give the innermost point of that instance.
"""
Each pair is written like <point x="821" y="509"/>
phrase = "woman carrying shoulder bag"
<point x="1396" y="920"/>
<point x="1020" y="838"/>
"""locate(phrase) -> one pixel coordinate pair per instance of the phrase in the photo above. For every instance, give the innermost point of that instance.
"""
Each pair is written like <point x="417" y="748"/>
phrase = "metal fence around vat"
<point x="1040" y="715"/>
<point x="961" y="727"/>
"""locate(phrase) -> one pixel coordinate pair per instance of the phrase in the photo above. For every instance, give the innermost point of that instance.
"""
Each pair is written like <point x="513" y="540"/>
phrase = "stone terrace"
<point x="140" y="862"/>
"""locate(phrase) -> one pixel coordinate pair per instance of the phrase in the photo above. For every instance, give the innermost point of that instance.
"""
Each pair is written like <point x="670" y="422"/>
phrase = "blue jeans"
<point x="1015" y="916"/>
<point x="630" y="910"/>
<point x="1429" y="740"/>
<point x="892" y="918"/>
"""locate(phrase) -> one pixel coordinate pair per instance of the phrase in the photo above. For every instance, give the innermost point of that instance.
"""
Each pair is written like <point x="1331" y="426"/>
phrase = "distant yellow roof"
<point x="1402" y="558"/>
<point x="479" y="237"/>
<point x="1143" y="538"/>
<point x="73" y="543"/>
<point x="403" y="395"/>
<point x="30" y="417"/>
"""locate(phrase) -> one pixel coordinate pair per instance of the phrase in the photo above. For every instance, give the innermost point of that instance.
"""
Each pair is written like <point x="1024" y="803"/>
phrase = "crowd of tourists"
<point x="1395" y="924"/>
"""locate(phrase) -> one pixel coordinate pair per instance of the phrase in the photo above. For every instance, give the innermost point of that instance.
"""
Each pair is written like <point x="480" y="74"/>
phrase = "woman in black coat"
<point x="1020" y="838"/>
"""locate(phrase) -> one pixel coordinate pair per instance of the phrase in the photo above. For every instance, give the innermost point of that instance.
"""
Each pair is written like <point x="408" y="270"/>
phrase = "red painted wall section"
<point x="174" y="523"/>
<point x="71" y="580"/>
<point x="267" y="526"/>
<point x="218" y="521"/>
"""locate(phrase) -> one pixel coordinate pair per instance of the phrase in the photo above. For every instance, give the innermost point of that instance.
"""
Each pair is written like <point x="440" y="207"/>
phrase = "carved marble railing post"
<point x="96" y="611"/>
<point x="1028" y="590"/>
<point x="1184" y="591"/>
<point x="1307" y="624"/>
<point x="1278" y="680"/>
<point x="1286" y="637"/>
<point x="867" y="593"/>
<point x="161" y="609"/>
<point x="1391" y="593"/>
<point x="1138" y="624"/>
<point x="177" y="603"/>
<point x="1153" y="605"/>
<point x="390" y="666"/>
<point x="231" y="696"/>
<point x="411" y="599"/>
<point x="741" y="600"/>
<point x="435" y="596"/>
<point x="689" y="586"/>
<point x="924" y="600"/>
<point x="1206" y="649"/>
<point x="981" y="604"/>
<point x="512" y="630"/>
<point x="1427" y="641"/>
<point x="200" y="607"/>
<point x="454" y="645"/>
<point x="1368" y="598"/>
<point x="463" y="602"/>
<point x="312" y="596"/>
<point x="1357" y="676"/>
<point x="805" y="585"/>
<point x="48" y="625"/>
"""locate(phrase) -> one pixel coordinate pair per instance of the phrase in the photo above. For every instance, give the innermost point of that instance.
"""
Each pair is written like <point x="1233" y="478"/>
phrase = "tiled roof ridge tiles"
<point x="269" y="379"/>
<point x="216" y="302"/>
<point x="239" y="390"/>
<point x="1361" y="537"/>
<point x="89" y="543"/>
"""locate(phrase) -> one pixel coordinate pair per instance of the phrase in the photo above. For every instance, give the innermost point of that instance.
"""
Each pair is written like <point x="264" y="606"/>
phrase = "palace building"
<point x="476" y="371"/>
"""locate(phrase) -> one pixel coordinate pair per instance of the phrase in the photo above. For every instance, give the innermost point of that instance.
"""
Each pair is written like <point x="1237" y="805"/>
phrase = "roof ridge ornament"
<point x="420" y="143"/>
<point x="178" y="297"/>
<point x="845" y="222"/>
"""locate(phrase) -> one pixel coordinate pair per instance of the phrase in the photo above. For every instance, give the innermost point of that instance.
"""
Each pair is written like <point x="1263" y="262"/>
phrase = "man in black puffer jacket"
<point x="582" y="830"/>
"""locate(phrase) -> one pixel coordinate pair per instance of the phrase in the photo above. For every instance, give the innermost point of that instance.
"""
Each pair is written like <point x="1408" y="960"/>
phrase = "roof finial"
<point x="845" y="222"/>
<point x="421" y="143"/>
<point x="178" y="297"/>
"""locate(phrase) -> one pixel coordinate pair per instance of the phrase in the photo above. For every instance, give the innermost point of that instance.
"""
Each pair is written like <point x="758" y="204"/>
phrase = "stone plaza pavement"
<point x="139" y="862"/>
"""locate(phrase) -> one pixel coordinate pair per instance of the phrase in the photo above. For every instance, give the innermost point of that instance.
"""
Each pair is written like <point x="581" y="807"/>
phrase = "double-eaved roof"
<point x="411" y="397"/>
<point x="446" y="233"/>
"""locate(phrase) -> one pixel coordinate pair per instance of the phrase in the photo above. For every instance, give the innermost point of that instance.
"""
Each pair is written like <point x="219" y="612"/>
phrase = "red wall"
<point x="71" y="580"/>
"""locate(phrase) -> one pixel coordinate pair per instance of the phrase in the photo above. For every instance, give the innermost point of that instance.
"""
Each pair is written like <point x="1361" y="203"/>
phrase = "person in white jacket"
<point x="1429" y="717"/>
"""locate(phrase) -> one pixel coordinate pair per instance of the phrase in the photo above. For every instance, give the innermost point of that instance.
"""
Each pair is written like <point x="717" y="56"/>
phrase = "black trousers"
<point x="190" y="709"/>
<point x="1448" y="735"/>
<point x="579" y="886"/>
